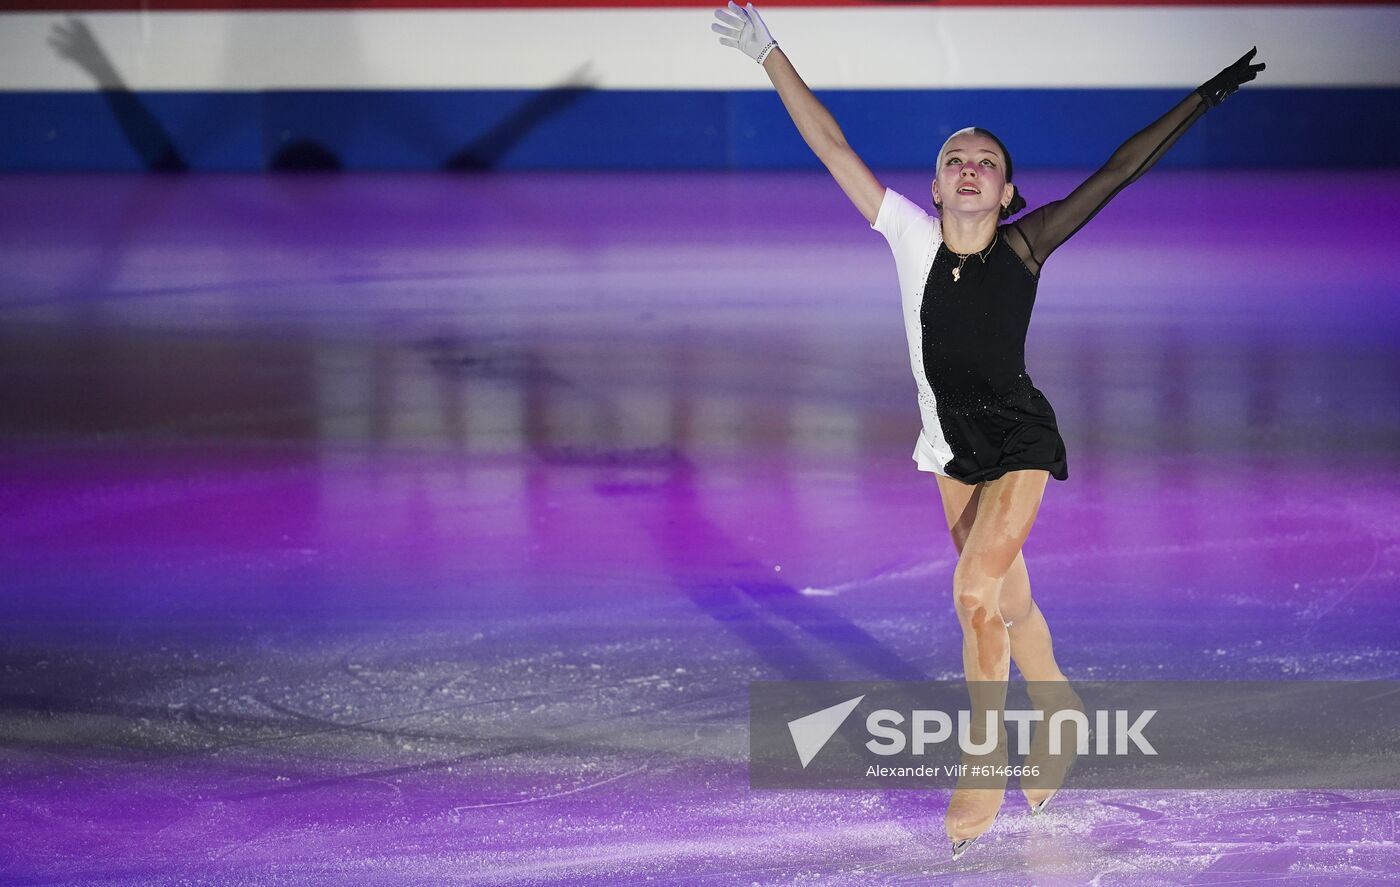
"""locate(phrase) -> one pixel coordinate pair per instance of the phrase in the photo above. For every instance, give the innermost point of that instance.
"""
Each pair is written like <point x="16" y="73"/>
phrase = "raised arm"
<point x="743" y="28"/>
<point x="1037" y="234"/>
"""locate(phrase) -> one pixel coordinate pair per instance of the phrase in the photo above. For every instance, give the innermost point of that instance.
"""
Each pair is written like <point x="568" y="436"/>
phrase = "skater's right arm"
<point x="824" y="137"/>
<point x="743" y="28"/>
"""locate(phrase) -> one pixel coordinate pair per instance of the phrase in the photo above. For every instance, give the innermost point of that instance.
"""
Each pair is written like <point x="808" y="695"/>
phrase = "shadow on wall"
<point x="73" y="40"/>
<point x="487" y="151"/>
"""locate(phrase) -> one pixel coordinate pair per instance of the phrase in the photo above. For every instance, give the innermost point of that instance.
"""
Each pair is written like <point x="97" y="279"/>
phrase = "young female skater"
<point x="968" y="284"/>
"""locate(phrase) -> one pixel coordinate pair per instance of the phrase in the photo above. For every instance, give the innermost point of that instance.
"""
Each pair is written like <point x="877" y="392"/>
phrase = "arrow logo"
<point x="811" y="732"/>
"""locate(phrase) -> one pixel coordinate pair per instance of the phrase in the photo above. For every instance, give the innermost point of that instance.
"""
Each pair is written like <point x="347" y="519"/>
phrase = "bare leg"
<point x="1004" y="512"/>
<point x="1031" y="647"/>
<point x="1028" y="632"/>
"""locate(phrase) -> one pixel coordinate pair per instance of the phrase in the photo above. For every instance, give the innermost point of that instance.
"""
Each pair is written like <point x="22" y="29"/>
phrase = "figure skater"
<point x="968" y="280"/>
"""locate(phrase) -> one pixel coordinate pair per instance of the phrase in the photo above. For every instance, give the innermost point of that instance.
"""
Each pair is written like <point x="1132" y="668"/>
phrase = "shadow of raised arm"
<point x="73" y="40"/>
<point x="486" y="152"/>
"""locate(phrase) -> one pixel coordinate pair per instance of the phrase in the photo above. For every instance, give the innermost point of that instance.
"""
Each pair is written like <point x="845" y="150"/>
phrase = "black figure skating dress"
<point x="982" y="416"/>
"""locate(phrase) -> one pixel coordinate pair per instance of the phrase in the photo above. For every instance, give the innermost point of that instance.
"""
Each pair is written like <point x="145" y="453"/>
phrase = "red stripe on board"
<point x="351" y="5"/>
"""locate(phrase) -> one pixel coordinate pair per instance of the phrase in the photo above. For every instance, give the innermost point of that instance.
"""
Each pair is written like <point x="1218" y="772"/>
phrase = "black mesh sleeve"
<point x="1038" y="233"/>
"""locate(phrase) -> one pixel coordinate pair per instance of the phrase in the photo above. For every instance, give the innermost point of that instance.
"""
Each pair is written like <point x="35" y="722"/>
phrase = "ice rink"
<point x="427" y="529"/>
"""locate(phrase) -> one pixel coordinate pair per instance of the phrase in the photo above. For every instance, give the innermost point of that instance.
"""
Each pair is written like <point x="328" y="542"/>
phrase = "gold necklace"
<point x="957" y="272"/>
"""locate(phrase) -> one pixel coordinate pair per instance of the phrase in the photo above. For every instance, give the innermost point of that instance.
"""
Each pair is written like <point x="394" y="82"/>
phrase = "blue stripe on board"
<point x="580" y="129"/>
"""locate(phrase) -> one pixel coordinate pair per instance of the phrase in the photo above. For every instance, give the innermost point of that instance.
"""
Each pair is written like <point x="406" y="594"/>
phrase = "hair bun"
<point x="1017" y="203"/>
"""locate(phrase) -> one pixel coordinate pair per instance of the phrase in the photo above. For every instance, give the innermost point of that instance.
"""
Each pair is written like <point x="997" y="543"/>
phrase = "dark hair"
<point x="1018" y="202"/>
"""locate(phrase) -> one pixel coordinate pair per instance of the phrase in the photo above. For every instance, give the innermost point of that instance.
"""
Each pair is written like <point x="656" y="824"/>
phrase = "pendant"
<point x="957" y="272"/>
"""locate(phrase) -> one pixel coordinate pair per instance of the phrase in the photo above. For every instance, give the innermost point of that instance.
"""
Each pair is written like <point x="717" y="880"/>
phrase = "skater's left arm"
<point x="1039" y="233"/>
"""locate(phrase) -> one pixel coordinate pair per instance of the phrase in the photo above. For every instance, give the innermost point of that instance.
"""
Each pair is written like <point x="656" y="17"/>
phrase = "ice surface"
<point x="420" y="531"/>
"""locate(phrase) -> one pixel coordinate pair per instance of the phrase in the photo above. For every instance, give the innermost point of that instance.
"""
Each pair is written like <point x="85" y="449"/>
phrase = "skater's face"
<point x="971" y="175"/>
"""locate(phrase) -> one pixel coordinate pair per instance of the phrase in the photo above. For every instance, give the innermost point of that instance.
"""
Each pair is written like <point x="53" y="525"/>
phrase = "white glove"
<point x="744" y="29"/>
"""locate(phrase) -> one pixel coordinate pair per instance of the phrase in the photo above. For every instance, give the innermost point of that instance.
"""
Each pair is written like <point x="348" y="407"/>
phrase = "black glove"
<point x="1222" y="85"/>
